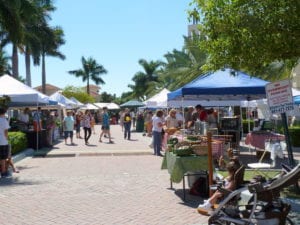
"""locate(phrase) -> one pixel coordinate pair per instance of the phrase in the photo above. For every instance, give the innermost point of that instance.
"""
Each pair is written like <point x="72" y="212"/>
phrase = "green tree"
<point x="10" y="19"/>
<point x="52" y="39"/>
<point x="5" y="67"/>
<point x="250" y="34"/>
<point x="145" y="81"/>
<point x="185" y="65"/>
<point x="78" y="93"/>
<point x="22" y="10"/>
<point x="91" y="70"/>
<point x="106" y="97"/>
<point x="33" y="37"/>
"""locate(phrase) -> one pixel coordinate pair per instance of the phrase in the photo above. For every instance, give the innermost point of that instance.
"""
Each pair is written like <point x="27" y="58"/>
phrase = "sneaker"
<point x="206" y="206"/>
<point x="4" y="175"/>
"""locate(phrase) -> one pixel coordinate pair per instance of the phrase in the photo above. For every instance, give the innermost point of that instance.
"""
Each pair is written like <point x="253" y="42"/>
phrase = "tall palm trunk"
<point x="27" y="65"/>
<point x="43" y="74"/>
<point x="15" y="62"/>
<point x="88" y="86"/>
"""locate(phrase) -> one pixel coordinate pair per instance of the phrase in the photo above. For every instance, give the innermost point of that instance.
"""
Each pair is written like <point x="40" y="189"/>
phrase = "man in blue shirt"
<point x="105" y="125"/>
<point x="69" y="127"/>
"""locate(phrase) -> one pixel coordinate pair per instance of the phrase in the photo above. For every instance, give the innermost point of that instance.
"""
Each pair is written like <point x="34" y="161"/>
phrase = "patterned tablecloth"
<point x="179" y="165"/>
<point x="258" y="139"/>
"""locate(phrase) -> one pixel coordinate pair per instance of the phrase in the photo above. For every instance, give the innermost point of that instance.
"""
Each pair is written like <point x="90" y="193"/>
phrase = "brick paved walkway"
<point x="102" y="183"/>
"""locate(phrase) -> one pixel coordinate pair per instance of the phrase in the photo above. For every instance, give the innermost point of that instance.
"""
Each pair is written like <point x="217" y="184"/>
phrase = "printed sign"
<point x="280" y="96"/>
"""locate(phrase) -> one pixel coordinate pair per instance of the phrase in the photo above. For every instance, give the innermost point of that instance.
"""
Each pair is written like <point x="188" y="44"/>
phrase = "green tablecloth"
<point x="178" y="165"/>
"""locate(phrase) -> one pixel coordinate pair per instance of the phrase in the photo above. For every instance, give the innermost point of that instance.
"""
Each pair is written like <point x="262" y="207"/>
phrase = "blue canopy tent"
<point x="297" y="100"/>
<point x="222" y="85"/>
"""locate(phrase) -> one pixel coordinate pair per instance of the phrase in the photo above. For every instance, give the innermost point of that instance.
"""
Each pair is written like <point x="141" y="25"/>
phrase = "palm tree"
<point x="20" y="12"/>
<point x="50" y="41"/>
<point x="5" y="67"/>
<point x="185" y="65"/>
<point x="53" y="39"/>
<point x="91" y="70"/>
<point x="10" y="19"/>
<point x="32" y="39"/>
<point x="145" y="81"/>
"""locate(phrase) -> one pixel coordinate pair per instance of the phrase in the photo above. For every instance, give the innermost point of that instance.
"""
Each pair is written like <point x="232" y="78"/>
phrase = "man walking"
<point x="127" y="124"/>
<point x="69" y="127"/>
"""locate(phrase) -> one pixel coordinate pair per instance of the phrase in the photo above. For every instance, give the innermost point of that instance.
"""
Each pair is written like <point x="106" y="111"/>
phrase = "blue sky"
<point x="115" y="33"/>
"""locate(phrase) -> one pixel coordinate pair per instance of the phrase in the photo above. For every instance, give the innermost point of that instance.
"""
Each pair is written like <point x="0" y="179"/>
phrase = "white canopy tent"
<point x="64" y="101"/>
<point x="78" y="103"/>
<point x="21" y="94"/>
<point x="263" y="108"/>
<point x="112" y="106"/>
<point x="109" y="105"/>
<point x="160" y="100"/>
<point x="89" y="106"/>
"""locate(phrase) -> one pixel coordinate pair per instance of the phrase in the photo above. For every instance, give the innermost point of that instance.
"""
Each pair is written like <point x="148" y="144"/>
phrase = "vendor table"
<point x="258" y="139"/>
<point x="34" y="136"/>
<point x="217" y="143"/>
<point x="178" y="166"/>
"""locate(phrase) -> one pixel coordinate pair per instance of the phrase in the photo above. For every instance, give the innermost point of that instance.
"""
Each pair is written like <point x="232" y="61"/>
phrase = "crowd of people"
<point x="83" y="124"/>
<point x="155" y="125"/>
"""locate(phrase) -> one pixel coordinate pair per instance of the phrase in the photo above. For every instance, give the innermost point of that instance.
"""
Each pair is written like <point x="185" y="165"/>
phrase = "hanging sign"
<point x="280" y="96"/>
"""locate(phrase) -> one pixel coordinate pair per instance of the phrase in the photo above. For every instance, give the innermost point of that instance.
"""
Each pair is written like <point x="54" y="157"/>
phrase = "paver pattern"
<point x="102" y="183"/>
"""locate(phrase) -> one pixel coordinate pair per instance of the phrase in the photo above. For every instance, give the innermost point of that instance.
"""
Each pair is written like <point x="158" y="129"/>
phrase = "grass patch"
<point x="289" y="192"/>
<point x="249" y="174"/>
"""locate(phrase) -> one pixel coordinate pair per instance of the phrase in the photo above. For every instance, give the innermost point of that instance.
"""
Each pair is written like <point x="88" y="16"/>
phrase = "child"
<point x="231" y="167"/>
<point x="9" y="161"/>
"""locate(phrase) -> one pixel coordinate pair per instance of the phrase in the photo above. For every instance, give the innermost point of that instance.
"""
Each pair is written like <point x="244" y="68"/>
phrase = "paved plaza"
<point x="102" y="183"/>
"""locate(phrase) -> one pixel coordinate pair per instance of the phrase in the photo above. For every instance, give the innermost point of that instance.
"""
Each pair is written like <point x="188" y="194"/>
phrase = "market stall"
<point x="192" y="154"/>
<point x="22" y="95"/>
<point x="160" y="100"/>
<point x="225" y="87"/>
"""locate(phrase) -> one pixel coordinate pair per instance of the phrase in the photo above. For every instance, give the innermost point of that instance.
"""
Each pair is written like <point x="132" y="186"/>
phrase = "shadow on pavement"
<point x="14" y="181"/>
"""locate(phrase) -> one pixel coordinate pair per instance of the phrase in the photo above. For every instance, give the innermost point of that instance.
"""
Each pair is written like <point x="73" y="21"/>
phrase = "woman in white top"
<point x="158" y="123"/>
<point x="24" y="116"/>
<point x="171" y="120"/>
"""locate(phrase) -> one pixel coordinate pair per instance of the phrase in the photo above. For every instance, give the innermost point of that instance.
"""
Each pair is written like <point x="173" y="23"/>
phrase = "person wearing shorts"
<point x="4" y="150"/>
<point x="105" y="126"/>
<point x="69" y="127"/>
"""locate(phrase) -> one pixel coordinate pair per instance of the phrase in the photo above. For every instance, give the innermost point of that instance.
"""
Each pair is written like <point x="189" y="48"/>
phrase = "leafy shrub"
<point x="18" y="141"/>
<point x="294" y="135"/>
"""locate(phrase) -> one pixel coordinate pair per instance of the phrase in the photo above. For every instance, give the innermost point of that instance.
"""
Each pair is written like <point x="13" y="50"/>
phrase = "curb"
<point x="20" y="156"/>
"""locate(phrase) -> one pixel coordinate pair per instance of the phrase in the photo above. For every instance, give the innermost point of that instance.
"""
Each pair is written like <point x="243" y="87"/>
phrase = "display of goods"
<point x="183" y="144"/>
<point x="171" y="130"/>
<point x="200" y="149"/>
<point x="170" y="147"/>
<point x="197" y="142"/>
<point x="183" y="151"/>
<point x="172" y="141"/>
<point x="192" y="137"/>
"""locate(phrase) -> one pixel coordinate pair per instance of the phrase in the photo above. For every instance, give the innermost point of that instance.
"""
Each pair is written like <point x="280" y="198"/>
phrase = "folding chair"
<point x="275" y="147"/>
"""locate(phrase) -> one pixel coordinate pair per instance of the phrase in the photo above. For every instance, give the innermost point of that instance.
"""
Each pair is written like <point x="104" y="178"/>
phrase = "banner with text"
<point x="280" y="96"/>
